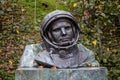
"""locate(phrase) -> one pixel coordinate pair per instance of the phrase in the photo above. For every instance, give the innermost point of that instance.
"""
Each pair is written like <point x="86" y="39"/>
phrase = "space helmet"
<point x="52" y="17"/>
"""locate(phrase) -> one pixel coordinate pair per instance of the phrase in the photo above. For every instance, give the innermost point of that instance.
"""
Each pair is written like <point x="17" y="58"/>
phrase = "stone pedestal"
<point x="93" y="73"/>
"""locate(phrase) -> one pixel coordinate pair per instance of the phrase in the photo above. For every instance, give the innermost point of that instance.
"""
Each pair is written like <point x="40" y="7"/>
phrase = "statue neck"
<point x="67" y="53"/>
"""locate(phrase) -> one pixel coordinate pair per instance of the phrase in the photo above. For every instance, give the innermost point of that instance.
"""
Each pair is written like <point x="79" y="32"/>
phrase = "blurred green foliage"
<point x="99" y="21"/>
<point x="100" y="28"/>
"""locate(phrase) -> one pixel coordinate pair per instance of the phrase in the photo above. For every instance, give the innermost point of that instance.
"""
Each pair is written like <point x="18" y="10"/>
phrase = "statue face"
<point x="62" y="32"/>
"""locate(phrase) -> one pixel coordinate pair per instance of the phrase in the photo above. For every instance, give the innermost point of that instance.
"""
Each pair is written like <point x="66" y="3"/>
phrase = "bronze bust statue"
<point x="60" y="33"/>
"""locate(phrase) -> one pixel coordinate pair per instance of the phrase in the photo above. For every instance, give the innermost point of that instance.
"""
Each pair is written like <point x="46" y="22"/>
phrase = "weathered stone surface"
<point x="93" y="73"/>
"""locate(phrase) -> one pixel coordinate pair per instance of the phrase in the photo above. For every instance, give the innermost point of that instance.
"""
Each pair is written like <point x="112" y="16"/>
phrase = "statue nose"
<point x="63" y="31"/>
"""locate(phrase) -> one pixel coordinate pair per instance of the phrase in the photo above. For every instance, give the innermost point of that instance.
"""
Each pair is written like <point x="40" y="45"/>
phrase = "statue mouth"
<point x="63" y="43"/>
<point x="64" y="40"/>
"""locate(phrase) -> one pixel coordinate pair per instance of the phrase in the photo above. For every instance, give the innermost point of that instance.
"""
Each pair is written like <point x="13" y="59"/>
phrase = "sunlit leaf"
<point x="108" y="49"/>
<point x="17" y="31"/>
<point x="114" y="50"/>
<point x="92" y="30"/>
<point x="22" y="10"/>
<point x="53" y="68"/>
<point x="82" y="26"/>
<point x="22" y="46"/>
<point x="0" y="50"/>
<point x="94" y="42"/>
<point x="11" y="62"/>
<point x="40" y="67"/>
<point x="75" y="5"/>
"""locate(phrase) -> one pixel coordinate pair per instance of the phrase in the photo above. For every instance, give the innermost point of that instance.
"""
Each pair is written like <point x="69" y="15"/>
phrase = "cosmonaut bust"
<point x="60" y="33"/>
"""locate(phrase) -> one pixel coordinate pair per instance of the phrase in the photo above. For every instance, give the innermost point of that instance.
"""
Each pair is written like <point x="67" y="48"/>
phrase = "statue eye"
<point x="56" y="30"/>
<point x="67" y="27"/>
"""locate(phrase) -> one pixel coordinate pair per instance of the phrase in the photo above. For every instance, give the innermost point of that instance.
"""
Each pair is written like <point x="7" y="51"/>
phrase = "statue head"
<point x="59" y="30"/>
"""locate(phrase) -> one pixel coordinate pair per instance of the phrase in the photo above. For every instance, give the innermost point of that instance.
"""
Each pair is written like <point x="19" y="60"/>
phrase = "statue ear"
<point x="50" y="36"/>
<point x="74" y="31"/>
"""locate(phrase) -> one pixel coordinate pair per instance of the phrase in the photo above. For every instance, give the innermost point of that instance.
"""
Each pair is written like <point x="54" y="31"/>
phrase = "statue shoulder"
<point x="91" y="57"/>
<point x="37" y="47"/>
<point x="85" y="49"/>
<point x="27" y="59"/>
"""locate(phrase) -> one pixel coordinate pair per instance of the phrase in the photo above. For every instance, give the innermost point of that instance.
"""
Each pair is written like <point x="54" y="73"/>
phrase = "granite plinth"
<point x="93" y="73"/>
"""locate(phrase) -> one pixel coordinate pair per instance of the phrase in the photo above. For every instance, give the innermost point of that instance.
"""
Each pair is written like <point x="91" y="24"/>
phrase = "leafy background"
<point x="99" y="21"/>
